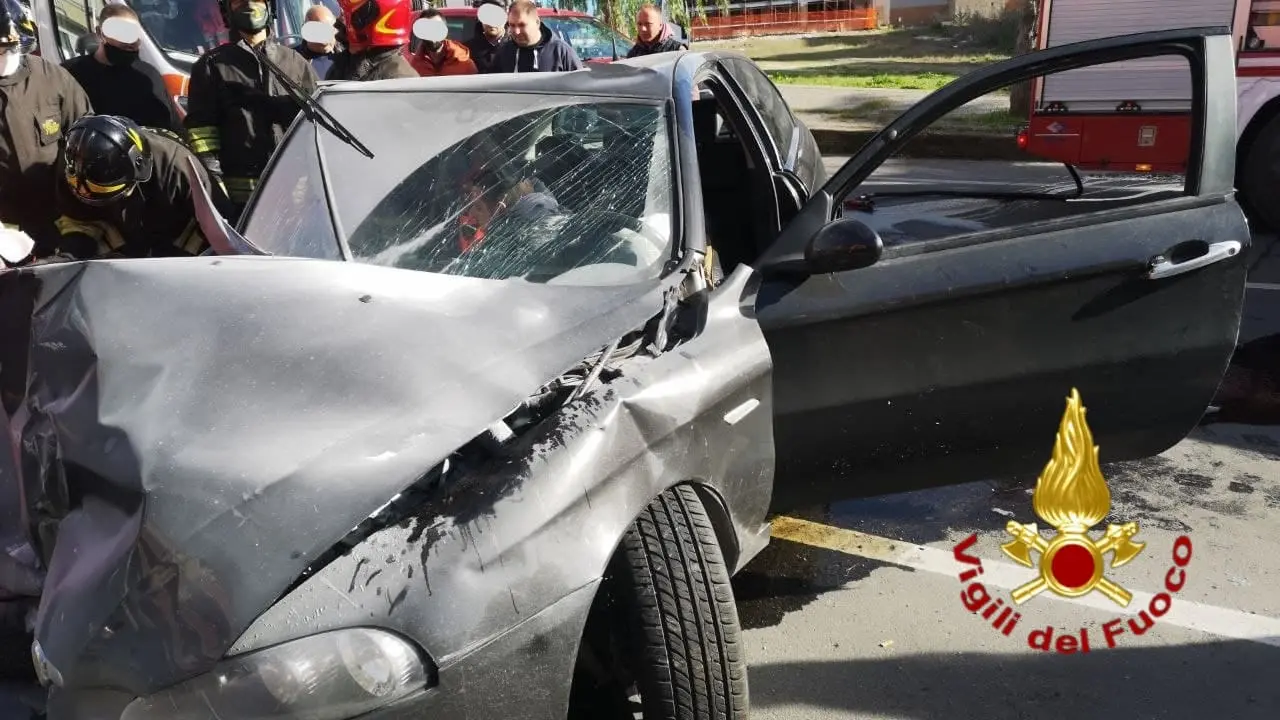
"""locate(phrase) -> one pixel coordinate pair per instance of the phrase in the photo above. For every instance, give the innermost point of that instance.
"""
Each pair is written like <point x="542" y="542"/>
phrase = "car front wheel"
<point x="665" y="627"/>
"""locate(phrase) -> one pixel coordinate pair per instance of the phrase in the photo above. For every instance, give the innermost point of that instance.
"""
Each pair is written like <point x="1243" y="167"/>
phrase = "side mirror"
<point x="840" y="246"/>
<point x="843" y="245"/>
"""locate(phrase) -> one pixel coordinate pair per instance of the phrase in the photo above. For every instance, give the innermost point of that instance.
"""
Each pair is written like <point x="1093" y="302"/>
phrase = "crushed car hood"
<point x="199" y="430"/>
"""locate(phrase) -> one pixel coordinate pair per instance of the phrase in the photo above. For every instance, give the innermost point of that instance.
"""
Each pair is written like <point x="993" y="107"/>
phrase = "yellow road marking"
<point x="850" y="542"/>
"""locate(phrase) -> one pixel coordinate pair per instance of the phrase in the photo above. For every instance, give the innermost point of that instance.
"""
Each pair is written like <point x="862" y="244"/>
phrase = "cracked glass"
<point x="561" y="189"/>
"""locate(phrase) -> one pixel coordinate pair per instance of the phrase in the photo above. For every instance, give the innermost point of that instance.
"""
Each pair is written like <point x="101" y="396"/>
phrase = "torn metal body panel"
<point x="193" y="441"/>
<point x="215" y="456"/>
<point x="487" y="553"/>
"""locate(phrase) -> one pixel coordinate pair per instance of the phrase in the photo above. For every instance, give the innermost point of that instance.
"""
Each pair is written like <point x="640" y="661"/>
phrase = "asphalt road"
<point x="856" y="609"/>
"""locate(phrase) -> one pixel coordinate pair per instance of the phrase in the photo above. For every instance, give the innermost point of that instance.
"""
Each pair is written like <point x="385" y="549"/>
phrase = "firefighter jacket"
<point x="38" y="102"/>
<point x="238" y="111"/>
<point x="375" y="64"/>
<point x="157" y="219"/>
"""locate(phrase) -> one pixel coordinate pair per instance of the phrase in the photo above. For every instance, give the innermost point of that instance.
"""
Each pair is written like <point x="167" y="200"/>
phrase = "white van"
<point x="177" y="31"/>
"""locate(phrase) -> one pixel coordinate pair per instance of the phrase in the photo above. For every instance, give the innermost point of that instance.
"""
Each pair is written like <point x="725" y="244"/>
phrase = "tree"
<point x="620" y="14"/>
<point x="1020" y="94"/>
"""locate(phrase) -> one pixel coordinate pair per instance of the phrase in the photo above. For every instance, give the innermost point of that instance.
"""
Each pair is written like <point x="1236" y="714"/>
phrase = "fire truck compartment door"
<point x="1158" y="84"/>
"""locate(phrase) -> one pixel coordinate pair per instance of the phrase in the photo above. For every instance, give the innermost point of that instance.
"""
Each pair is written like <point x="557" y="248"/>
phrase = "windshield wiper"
<point x="310" y="107"/>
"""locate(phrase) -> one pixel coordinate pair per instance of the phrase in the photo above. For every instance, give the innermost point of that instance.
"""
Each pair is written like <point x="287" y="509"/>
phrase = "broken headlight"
<point x="330" y="676"/>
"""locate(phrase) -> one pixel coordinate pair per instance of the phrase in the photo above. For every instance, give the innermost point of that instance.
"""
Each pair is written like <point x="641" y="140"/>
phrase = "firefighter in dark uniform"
<point x="125" y="191"/>
<point x="376" y="33"/>
<point x="237" y="110"/>
<point x="39" y="100"/>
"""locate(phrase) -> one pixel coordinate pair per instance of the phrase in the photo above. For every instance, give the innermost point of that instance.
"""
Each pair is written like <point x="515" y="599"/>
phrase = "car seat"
<point x="722" y="166"/>
<point x="562" y="163"/>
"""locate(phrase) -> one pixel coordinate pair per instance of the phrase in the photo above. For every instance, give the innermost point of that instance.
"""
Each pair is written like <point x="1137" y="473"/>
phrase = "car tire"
<point x="1260" y="176"/>
<point x="681" y="636"/>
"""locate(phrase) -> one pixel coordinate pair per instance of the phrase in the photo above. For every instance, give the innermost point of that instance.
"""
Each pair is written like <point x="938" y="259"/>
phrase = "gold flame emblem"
<point x="1072" y="496"/>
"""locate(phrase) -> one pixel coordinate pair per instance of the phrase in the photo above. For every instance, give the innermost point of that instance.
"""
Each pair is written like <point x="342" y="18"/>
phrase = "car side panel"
<point x="953" y="366"/>
<point x="491" y="552"/>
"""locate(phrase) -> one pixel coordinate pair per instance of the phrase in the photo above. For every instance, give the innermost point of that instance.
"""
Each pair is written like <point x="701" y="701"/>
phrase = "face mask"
<point x="250" y="17"/>
<point x="119" y="56"/>
<point x="9" y="63"/>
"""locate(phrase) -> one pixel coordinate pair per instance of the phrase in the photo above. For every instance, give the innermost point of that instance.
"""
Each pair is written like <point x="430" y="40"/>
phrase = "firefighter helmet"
<point x="16" y="26"/>
<point x="376" y="23"/>
<point x="105" y="157"/>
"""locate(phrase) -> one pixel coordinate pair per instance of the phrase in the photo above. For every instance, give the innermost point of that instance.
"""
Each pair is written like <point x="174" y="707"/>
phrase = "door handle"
<point x="1169" y="264"/>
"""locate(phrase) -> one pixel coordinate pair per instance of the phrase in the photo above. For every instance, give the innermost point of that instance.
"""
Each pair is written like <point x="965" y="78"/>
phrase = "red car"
<point x="590" y="38"/>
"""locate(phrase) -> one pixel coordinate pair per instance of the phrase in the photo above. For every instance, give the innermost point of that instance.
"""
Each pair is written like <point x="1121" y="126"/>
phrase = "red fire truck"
<point x="1135" y="115"/>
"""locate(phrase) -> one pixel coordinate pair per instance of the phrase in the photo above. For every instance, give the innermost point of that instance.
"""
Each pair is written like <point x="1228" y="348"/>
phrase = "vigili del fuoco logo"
<point x="1071" y="496"/>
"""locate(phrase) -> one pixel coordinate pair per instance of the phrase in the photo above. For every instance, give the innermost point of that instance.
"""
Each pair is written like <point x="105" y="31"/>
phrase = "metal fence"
<point x="782" y="21"/>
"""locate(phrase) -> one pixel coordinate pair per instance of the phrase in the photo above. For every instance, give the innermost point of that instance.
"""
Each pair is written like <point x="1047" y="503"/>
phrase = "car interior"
<point x="740" y="204"/>
<point x="585" y="157"/>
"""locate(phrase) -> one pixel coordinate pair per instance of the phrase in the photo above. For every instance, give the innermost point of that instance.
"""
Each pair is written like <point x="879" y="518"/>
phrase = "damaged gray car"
<point x="500" y="379"/>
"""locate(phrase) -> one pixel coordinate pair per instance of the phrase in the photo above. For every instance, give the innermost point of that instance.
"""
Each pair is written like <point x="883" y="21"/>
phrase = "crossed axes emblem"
<point x="1118" y="539"/>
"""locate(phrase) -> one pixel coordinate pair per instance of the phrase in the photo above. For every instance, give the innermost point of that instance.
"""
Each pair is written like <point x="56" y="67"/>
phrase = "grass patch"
<point x="999" y="33"/>
<point x="897" y="81"/>
<point x="996" y="120"/>
<point x="907" y="59"/>
<point x="916" y="44"/>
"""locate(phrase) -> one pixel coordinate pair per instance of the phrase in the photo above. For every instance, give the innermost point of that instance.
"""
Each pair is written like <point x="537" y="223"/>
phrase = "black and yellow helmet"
<point x="106" y="156"/>
<point x="17" y="30"/>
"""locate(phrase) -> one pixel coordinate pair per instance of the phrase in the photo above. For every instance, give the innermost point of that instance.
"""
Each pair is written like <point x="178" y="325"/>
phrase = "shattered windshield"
<point x="559" y="189"/>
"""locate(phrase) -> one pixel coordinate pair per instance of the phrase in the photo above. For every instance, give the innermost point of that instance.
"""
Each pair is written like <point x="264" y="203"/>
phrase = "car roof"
<point x="648" y="77"/>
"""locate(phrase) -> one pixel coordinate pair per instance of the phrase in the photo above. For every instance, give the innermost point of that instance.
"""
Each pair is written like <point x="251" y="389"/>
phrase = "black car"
<point x="515" y="391"/>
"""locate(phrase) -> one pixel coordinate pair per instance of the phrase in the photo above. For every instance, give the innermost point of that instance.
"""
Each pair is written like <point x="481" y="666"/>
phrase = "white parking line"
<point x="1262" y="286"/>
<point x="1219" y="621"/>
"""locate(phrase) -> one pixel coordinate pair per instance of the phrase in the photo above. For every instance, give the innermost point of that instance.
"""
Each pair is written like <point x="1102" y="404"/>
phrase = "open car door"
<point x="946" y="352"/>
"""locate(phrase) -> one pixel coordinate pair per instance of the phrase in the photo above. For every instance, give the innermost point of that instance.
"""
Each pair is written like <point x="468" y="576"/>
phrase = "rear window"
<point x="461" y="29"/>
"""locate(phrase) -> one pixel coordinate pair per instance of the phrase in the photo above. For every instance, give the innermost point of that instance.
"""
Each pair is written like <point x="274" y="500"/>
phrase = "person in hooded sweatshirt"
<point x="488" y="38"/>
<point x="533" y="47"/>
<point x="653" y="34"/>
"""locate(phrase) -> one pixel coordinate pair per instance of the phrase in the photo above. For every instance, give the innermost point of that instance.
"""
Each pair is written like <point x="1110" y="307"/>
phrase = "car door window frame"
<point x="737" y="109"/>
<point x="1206" y="183"/>
<point x="779" y="158"/>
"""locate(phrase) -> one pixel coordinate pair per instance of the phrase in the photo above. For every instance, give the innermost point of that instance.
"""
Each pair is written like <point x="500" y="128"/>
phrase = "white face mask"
<point x="9" y="64"/>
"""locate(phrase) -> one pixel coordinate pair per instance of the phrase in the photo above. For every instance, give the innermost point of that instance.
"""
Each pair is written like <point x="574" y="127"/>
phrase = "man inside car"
<point x="497" y="198"/>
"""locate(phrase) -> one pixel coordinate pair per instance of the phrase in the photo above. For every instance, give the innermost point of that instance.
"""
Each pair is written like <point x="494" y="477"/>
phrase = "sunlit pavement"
<point x="856" y="610"/>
